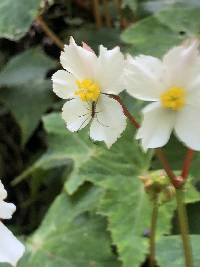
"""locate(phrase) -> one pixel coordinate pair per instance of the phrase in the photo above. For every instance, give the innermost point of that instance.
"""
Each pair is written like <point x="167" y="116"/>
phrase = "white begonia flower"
<point x="85" y="83"/>
<point x="11" y="250"/>
<point x="173" y="85"/>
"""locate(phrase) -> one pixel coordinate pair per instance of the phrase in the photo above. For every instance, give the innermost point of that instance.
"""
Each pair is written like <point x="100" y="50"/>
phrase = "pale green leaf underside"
<point x="17" y="17"/>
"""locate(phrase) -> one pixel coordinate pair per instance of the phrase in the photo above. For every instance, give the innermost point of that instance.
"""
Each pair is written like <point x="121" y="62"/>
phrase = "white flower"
<point x="85" y="83"/>
<point x="173" y="85"/>
<point x="11" y="250"/>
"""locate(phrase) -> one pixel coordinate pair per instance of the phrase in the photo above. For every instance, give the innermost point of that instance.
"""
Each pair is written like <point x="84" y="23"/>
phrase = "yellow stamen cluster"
<point x="87" y="90"/>
<point x="173" y="98"/>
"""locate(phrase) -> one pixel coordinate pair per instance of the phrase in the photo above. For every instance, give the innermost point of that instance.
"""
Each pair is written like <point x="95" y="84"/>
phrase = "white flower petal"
<point x="6" y="210"/>
<point x="11" y="249"/>
<point x="193" y="95"/>
<point x="187" y="126"/>
<point x="144" y="77"/>
<point x="110" y="68"/>
<point x="77" y="114"/>
<point x="182" y="64"/>
<point x="78" y="61"/>
<point x="64" y="84"/>
<point x="3" y="192"/>
<point x="156" y="127"/>
<point x="109" y="122"/>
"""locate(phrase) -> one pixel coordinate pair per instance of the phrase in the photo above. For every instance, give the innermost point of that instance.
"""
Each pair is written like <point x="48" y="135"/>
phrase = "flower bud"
<point x="157" y="184"/>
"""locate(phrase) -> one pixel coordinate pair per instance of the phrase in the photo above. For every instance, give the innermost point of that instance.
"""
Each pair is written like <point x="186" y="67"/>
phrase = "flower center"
<point x="87" y="90"/>
<point x="173" y="98"/>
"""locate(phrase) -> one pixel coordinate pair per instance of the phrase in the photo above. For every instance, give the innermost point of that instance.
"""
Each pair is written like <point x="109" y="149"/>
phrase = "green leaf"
<point x="129" y="216"/>
<point x="170" y="250"/>
<point x="17" y="17"/>
<point x="125" y="203"/>
<point x="163" y="28"/>
<point x="76" y="239"/>
<point x="115" y="171"/>
<point x="25" y="91"/>
<point x="143" y="37"/>
<point x="185" y="20"/>
<point x="31" y="65"/>
<point x="128" y="210"/>
<point x="64" y="148"/>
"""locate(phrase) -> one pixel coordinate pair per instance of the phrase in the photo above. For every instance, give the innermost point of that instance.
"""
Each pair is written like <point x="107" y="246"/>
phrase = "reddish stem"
<point x="187" y="163"/>
<point x="162" y="157"/>
<point x="126" y="112"/>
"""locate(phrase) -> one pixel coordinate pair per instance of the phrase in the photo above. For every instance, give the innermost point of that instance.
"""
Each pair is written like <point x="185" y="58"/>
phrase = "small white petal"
<point x="77" y="114"/>
<point x="193" y="95"/>
<point x="6" y="210"/>
<point x="109" y="122"/>
<point x="3" y="192"/>
<point x="144" y="77"/>
<point x="110" y="68"/>
<point x="156" y="127"/>
<point x="78" y="61"/>
<point x="187" y="126"/>
<point x="182" y="64"/>
<point x="64" y="84"/>
<point x="11" y="250"/>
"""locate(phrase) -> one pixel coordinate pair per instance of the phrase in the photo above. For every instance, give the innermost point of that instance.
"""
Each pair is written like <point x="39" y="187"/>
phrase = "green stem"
<point x="183" y="224"/>
<point x="152" y="241"/>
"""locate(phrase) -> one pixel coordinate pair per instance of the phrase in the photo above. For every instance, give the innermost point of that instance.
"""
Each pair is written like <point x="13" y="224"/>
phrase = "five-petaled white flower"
<point x="11" y="250"/>
<point x="85" y="83"/>
<point x="173" y="85"/>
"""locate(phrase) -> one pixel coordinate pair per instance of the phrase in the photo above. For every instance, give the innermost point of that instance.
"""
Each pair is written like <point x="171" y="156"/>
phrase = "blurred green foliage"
<point x="86" y="202"/>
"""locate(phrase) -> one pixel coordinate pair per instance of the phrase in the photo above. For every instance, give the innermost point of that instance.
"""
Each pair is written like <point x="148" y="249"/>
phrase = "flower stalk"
<point x="152" y="240"/>
<point x="183" y="224"/>
<point x="187" y="163"/>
